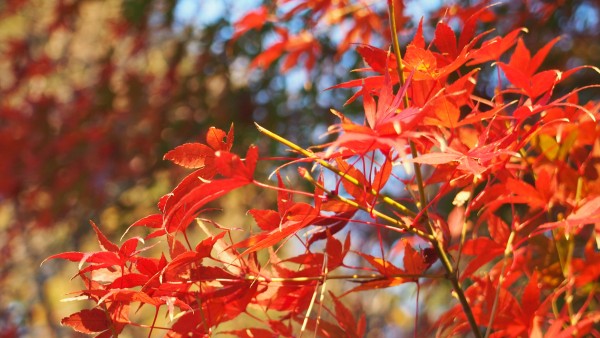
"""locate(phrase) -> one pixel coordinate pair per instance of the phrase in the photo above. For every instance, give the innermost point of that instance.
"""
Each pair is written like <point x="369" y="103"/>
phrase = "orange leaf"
<point x="349" y="170"/>
<point x="218" y="140"/>
<point x="445" y="113"/>
<point x="413" y="260"/>
<point x="384" y="267"/>
<point x="422" y="61"/>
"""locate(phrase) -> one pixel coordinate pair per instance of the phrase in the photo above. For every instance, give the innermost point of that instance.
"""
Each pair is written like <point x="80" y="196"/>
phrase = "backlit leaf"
<point x="445" y="40"/>
<point x="88" y="321"/>
<point x="266" y="219"/>
<point x="105" y="244"/>
<point x="254" y="19"/>
<point x="190" y="155"/>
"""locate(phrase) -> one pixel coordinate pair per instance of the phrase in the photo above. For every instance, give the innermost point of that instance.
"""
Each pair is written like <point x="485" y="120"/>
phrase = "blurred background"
<point x="94" y="92"/>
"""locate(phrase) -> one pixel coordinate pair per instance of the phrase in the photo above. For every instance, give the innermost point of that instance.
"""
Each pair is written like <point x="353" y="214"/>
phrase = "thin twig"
<point x="573" y="318"/>
<point x="384" y="198"/>
<point x="436" y="244"/>
<point x="303" y="279"/>
<point x="372" y="211"/>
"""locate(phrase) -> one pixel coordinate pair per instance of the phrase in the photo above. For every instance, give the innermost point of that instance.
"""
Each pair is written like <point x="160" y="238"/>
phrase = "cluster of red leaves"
<point x="358" y="22"/>
<point x="209" y="283"/>
<point x="521" y="240"/>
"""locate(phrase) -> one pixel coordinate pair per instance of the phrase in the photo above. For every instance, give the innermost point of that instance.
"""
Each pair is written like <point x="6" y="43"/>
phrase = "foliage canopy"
<point x="474" y="165"/>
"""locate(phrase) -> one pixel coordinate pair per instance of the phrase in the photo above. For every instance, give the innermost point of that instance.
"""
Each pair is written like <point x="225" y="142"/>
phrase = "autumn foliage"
<point x="496" y="198"/>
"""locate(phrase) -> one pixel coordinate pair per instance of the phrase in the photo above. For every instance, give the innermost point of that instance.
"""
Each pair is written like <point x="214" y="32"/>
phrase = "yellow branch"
<point x="384" y="198"/>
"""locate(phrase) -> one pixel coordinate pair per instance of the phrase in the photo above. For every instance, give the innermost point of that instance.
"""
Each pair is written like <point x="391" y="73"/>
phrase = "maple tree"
<point x="518" y="246"/>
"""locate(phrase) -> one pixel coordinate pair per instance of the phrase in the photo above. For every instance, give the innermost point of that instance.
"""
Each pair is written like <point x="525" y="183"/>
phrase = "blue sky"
<point x="205" y="12"/>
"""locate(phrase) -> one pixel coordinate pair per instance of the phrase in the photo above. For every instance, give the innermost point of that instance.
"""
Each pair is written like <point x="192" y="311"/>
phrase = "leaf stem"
<point x="303" y="279"/>
<point x="507" y="251"/>
<point x="153" y="322"/>
<point x="452" y="276"/>
<point x="310" y="306"/>
<point x="463" y="230"/>
<point x="397" y="52"/>
<point x="355" y="278"/>
<point x="573" y="318"/>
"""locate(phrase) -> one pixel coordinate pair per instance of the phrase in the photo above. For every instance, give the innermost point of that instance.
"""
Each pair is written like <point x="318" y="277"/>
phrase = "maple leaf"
<point x="218" y="140"/>
<point x="302" y="44"/>
<point x="426" y="66"/>
<point x="379" y="60"/>
<point x="530" y="301"/>
<point x="150" y="221"/>
<point x="104" y="243"/>
<point x="470" y="16"/>
<point x="184" y="208"/>
<point x="88" y="321"/>
<point x="419" y="40"/>
<point x="483" y="250"/>
<point x="129" y="280"/>
<point x="364" y="21"/>
<point x="383" y="266"/>
<point x="111" y="254"/>
<point x="359" y="193"/>
<point x="296" y="218"/>
<point x="414" y="262"/>
<point x="266" y="219"/>
<point x="196" y="190"/>
<point x="190" y="155"/>
<point x="254" y="19"/>
<point x="347" y="320"/>
<point x="442" y="112"/>
<point x="521" y="58"/>
<point x="466" y="163"/>
<point x="521" y="70"/>
<point x="201" y="156"/>
<point x="476" y="161"/>
<point x="422" y="61"/>
<point x="445" y="40"/>
<point x="378" y="284"/>
<point x="387" y="125"/>
<point x="336" y="251"/>
<point x="492" y="49"/>
<point x="231" y="165"/>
